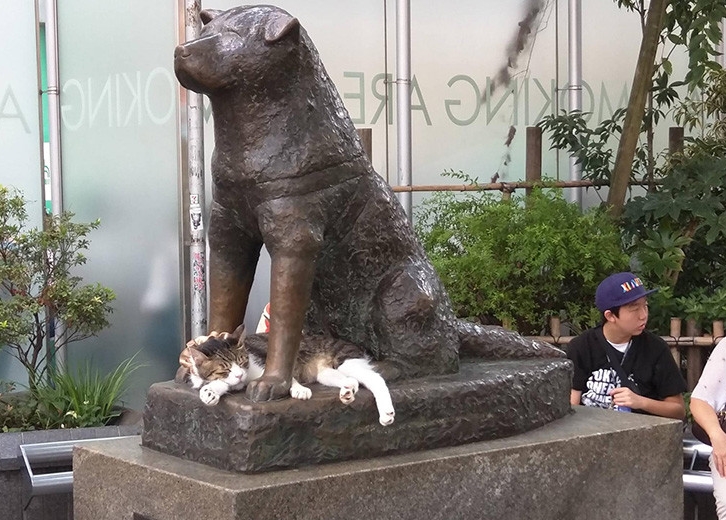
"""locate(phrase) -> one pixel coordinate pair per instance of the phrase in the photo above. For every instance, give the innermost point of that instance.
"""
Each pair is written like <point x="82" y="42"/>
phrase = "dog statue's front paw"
<point x="267" y="388"/>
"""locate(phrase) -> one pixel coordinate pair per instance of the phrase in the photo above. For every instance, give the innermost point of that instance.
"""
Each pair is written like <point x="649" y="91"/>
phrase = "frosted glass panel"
<point x="457" y="49"/>
<point x="20" y="145"/>
<point x="118" y="104"/>
<point x="19" y="126"/>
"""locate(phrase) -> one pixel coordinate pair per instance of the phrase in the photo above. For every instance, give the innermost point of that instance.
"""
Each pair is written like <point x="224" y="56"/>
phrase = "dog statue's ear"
<point x="281" y="25"/>
<point x="207" y="15"/>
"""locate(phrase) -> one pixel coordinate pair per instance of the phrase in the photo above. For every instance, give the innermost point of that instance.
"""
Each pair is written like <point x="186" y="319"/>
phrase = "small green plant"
<point x="662" y="307"/>
<point x="17" y="412"/>
<point x="693" y="306"/>
<point x="522" y="260"/>
<point x="716" y="305"/>
<point x="76" y="399"/>
<point x="38" y="286"/>
<point x="702" y="305"/>
<point x="593" y="147"/>
<point x="83" y="397"/>
<point x="689" y="207"/>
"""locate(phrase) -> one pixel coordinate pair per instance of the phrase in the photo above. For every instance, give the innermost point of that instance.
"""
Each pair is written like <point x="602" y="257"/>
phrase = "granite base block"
<point x="484" y="400"/>
<point x="589" y="465"/>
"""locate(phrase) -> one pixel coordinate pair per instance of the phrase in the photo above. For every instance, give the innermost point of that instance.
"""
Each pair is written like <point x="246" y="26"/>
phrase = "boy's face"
<point x="632" y="317"/>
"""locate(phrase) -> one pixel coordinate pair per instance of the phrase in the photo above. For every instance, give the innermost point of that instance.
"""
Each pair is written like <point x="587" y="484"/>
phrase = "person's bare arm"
<point x="575" y="396"/>
<point x="705" y="415"/>
<point x="672" y="406"/>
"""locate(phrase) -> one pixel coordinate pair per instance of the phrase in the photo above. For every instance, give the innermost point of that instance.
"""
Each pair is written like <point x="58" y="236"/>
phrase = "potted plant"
<point x="39" y="288"/>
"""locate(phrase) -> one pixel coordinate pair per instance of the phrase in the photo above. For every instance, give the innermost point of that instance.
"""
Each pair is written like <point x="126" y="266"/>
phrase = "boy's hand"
<point x="624" y="396"/>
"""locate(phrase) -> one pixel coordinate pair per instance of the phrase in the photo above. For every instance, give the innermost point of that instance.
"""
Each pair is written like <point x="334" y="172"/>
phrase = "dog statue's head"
<point x="250" y="48"/>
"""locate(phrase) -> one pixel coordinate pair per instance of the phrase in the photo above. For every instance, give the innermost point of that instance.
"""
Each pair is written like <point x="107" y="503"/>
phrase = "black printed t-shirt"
<point x="648" y="362"/>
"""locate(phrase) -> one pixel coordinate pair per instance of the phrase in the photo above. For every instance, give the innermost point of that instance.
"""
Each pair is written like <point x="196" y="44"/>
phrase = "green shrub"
<point x="78" y="399"/>
<point x="17" y="409"/>
<point x="677" y="233"/>
<point x="519" y="261"/>
<point x="39" y="285"/>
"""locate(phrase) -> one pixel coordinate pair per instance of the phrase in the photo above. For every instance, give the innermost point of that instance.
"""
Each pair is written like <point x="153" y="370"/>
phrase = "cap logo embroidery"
<point x="632" y="284"/>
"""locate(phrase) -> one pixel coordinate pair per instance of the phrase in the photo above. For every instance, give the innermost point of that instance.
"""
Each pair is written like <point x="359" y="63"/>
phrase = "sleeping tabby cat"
<point x="220" y="362"/>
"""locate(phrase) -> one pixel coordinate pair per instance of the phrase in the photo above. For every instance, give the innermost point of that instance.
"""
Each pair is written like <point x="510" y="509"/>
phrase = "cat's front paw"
<point x="300" y="392"/>
<point x="208" y="396"/>
<point x="348" y="391"/>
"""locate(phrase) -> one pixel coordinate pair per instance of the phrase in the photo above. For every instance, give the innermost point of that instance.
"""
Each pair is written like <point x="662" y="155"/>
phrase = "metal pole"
<point x="195" y="164"/>
<point x="403" y="98"/>
<point x="54" y="129"/>
<point x="56" y="329"/>
<point x="574" y="65"/>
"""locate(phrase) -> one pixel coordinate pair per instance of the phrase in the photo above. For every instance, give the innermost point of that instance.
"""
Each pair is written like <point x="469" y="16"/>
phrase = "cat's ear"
<point x="238" y="336"/>
<point x="207" y="15"/>
<point x="185" y="358"/>
<point x="201" y="339"/>
<point x="281" y="25"/>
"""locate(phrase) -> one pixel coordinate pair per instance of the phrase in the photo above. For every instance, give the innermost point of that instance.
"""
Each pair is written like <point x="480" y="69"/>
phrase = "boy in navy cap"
<point x="621" y="365"/>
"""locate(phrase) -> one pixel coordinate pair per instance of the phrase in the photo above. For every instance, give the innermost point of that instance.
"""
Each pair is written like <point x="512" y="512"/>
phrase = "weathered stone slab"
<point x="485" y="400"/>
<point x="590" y="465"/>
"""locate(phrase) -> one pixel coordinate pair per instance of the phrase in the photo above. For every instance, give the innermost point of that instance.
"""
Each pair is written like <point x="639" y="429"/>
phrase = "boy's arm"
<point x="573" y="354"/>
<point x="672" y="406"/>
<point x="575" y="396"/>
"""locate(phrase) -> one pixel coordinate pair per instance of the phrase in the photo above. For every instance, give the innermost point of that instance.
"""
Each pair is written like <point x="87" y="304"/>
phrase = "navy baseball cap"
<point x="619" y="289"/>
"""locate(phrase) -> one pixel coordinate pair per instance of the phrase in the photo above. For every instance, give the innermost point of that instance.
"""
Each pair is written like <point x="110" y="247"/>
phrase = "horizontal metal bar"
<point x="51" y="483"/>
<point x="699" y="449"/>
<point x="699" y="481"/>
<point x="511" y="186"/>
<point x="43" y="453"/>
<point x="696" y="480"/>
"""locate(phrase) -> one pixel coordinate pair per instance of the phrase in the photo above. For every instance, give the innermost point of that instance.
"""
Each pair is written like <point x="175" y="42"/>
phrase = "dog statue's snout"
<point x="181" y="52"/>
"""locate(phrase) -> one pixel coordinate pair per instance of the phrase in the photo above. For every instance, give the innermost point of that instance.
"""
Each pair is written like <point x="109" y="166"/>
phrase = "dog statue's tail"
<point x="493" y="342"/>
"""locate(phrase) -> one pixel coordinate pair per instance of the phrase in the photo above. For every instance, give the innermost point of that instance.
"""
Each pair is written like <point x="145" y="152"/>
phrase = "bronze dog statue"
<point x="289" y="172"/>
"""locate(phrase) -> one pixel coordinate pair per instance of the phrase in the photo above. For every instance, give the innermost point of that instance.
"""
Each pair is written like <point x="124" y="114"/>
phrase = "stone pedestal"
<point x="484" y="400"/>
<point x="590" y="465"/>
